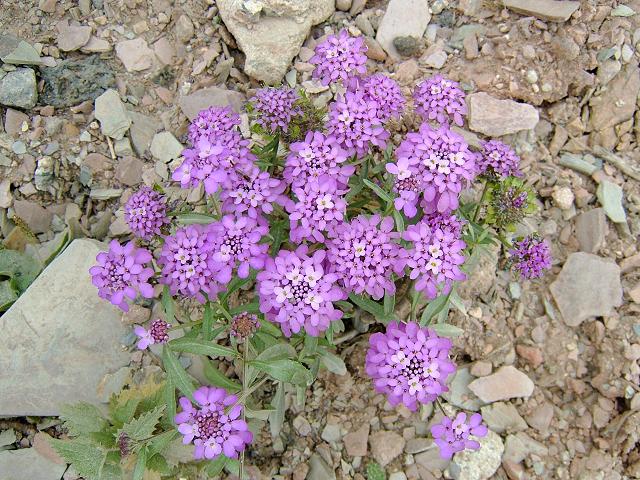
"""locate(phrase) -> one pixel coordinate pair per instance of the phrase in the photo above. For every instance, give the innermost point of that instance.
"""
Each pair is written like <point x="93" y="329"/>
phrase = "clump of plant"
<point x="289" y="246"/>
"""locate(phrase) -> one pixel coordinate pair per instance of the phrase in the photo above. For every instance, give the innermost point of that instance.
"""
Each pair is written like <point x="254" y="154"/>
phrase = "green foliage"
<point x="375" y="472"/>
<point x="82" y="418"/>
<point x="87" y="458"/>
<point x="17" y="272"/>
<point x="142" y="428"/>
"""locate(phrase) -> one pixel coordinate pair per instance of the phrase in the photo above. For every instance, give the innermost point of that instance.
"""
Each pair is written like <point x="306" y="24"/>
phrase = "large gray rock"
<point x="271" y="32"/>
<point x="551" y="10"/>
<point x="506" y="383"/>
<point x="478" y="464"/>
<point x="496" y="118"/>
<point x="193" y="103"/>
<point x="15" y="51"/>
<point x="27" y="463"/>
<point x="588" y="286"/>
<point x="18" y="89"/>
<point x="59" y="339"/>
<point x="617" y="102"/>
<point x="403" y="18"/>
<point x="113" y="117"/>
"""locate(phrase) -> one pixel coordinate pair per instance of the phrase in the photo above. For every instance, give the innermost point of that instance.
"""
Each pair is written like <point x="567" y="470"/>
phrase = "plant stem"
<point x="485" y="191"/>
<point x="185" y="325"/>
<point x="224" y="311"/>
<point x="244" y="387"/>
<point x="441" y="407"/>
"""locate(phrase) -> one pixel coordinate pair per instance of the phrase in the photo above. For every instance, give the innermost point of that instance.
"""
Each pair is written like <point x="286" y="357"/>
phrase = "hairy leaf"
<point x="220" y="380"/>
<point x="285" y="370"/>
<point x="82" y="418"/>
<point x="434" y="307"/>
<point x="276" y="418"/>
<point x="201" y="347"/>
<point x="371" y="306"/>
<point x="447" y="330"/>
<point x="332" y="362"/>
<point x="215" y="466"/>
<point x="176" y="372"/>
<point x="87" y="458"/>
<point x="142" y="428"/>
<point x="141" y="464"/>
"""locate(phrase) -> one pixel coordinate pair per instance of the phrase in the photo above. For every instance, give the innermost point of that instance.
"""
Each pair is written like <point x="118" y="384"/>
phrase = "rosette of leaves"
<point x="508" y="202"/>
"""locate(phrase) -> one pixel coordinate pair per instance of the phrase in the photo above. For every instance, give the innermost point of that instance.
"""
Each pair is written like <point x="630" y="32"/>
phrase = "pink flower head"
<point x="251" y="192"/>
<point x="158" y="333"/>
<point x="237" y="246"/>
<point x="275" y="107"/>
<point x="213" y="122"/>
<point x="498" y="159"/>
<point x="435" y="258"/>
<point x="187" y="262"/>
<point x="206" y="163"/>
<point x="315" y="156"/>
<point x="122" y="273"/>
<point x="212" y="431"/>
<point x="243" y="326"/>
<point x="365" y="253"/>
<point x="407" y="185"/>
<point x="296" y="291"/>
<point x="531" y="256"/>
<point x="453" y="436"/>
<point x="445" y="222"/>
<point x="146" y="213"/>
<point x="440" y="99"/>
<point x="386" y="93"/>
<point x="354" y="120"/>
<point x="320" y="206"/>
<point x="339" y="58"/>
<point x="443" y="163"/>
<point x="409" y="364"/>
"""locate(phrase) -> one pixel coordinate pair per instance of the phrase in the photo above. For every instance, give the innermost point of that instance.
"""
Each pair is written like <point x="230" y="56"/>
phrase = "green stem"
<point x="185" y="325"/>
<point x="224" y="311"/>
<point x="485" y="191"/>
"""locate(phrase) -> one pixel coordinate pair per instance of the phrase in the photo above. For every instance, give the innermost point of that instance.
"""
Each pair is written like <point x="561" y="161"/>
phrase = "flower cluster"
<point x="386" y="93"/>
<point x="409" y="364"/>
<point x="146" y="213"/>
<point x="510" y="200"/>
<point x="158" y="333"/>
<point x="122" y="273"/>
<point x="440" y="99"/>
<point x="252" y="192"/>
<point x="213" y="122"/>
<point x="339" y="58"/>
<point x="531" y="256"/>
<point x="275" y="107"/>
<point x="452" y="436"/>
<point x="213" y="424"/>
<point x="497" y="159"/>
<point x="243" y="326"/>
<point x="296" y="292"/>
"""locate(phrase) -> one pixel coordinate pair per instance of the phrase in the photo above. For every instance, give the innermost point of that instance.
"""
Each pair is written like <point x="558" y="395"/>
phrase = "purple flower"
<point x="407" y="186"/>
<point x="354" y="120"/>
<point x="440" y="99"/>
<point x="158" y="333"/>
<point x="339" y="58"/>
<point x="121" y="273"/>
<point x="443" y="163"/>
<point x="409" y="364"/>
<point x="187" y="262"/>
<point x="531" y="256"/>
<point x="317" y="155"/>
<point x="386" y="93"/>
<point x="445" y="222"/>
<point x="435" y="258"/>
<point x="237" y="246"/>
<point x="452" y="436"/>
<point x="510" y="200"/>
<point x="296" y="291"/>
<point x="243" y="326"/>
<point x="206" y="163"/>
<point x="364" y="254"/>
<point x="320" y="206"/>
<point x="251" y="192"/>
<point x="498" y="159"/>
<point x="209" y="428"/>
<point x="146" y="213"/>
<point x="213" y="122"/>
<point x="275" y="107"/>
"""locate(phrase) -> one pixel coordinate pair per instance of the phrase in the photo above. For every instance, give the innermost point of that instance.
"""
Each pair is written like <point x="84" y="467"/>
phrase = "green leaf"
<point x="215" y="466"/>
<point x="285" y="370"/>
<point x="169" y="398"/>
<point x="371" y="306"/>
<point x="332" y="362"/>
<point x="141" y="464"/>
<point x="87" y="459"/>
<point x="175" y="371"/>
<point x="207" y="322"/>
<point x="122" y="413"/>
<point x="253" y="307"/>
<point x="192" y="218"/>
<point x="447" y="330"/>
<point x="389" y="304"/>
<point x="433" y="308"/>
<point x="219" y="380"/>
<point x="201" y="347"/>
<point x="22" y="268"/>
<point x="375" y="472"/>
<point x="82" y="418"/>
<point x="167" y="305"/>
<point x="157" y="463"/>
<point x="310" y="345"/>
<point x="236" y="284"/>
<point x="277" y="352"/>
<point x="378" y="191"/>
<point x="8" y="294"/>
<point x="397" y="216"/>
<point x="457" y="302"/>
<point x="142" y="428"/>
<point x="276" y="418"/>
<point x="270" y="328"/>
<point x="258" y="414"/>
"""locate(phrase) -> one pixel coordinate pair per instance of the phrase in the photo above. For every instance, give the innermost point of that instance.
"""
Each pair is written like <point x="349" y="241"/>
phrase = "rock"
<point x="616" y="103"/>
<point x="551" y="10"/>
<point x="14" y="121"/>
<point x="407" y="46"/>
<point x="129" y="171"/>
<point x="184" y="28"/>
<point x="356" y="442"/>
<point x="96" y="45"/>
<point x="478" y="464"/>
<point x="331" y="433"/>
<point x="459" y="394"/>
<point x="165" y="147"/>
<point x="482" y="268"/>
<point x="37" y="218"/>
<point x="610" y="197"/>
<point x="72" y="37"/>
<point x="495" y="118"/>
<point x="302" y="425"/>
<point x="588" y="286"/>
<point x="18" y="89"/>
<point x="357" y="6"/>
<point x="503" y="417"/>
<point x="135" y="54"/>
<point x="403" y="18"/>
<point x="591" y="230"/>
<point x="60" y="312"/>
<point x="16" y="51"/>
<point x="436" y="59"/>
<point x="398" y="476"/>
<point x="72" y="82"/>
<point x="142" y="130"/>
<point x="319" y="469"/>
<point x="507" y="382"/>
<point x="192" y="104"/>
<point x="431" y="460"/>
<point x="481" y="369"/>
<point x="541" y="417"/>
<point x="27" y="463"/>
<point x="272" y="33"/>
<point x="563" y="197"/>
<point x="110" y="112"/>
<point x="386" y="446"/>
<point x="374" y="50"/>
<point x="6" y="199"/>
<point x="43" y="447"/>
<point x="521" y="445"/>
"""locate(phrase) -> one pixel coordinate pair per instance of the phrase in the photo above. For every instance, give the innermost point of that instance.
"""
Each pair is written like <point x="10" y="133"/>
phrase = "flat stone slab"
<point x="28" y="464"/>
<point x="195" y="102"/>
<point x="588" y="286"/>
<point x="403" y="18"/>
<point x="551" y="10"/>
<point x="495" y="117"/>
<point x="506" y="383"/>
<point x="59" y="339"/>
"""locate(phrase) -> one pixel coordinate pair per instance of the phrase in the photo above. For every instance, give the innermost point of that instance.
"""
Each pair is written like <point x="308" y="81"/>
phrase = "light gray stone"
<point x="386" y="446"/>
<point x="135" y="54"/>
<point x="520" y="446"/>
<point x="59" y="339"/>
<point x="478" y="464"/>
<point x="507" y="382"/>
<point x="142" y="130"/>
<point x="496" y="118"/>
<point x="27" y="463"/>
<point x="610" y="197"/>
<point x="192" y="104"/>
<point x="503" y="417"/>
<point x="319" y="469"/>
<point x="18" y="89"/>
<point x="331" y="433"/>
<point x="403" y="18"/>
<point x="588" y="286"/>
<point x="551" y="10"/>
<point x="15" y="51"/>
<point x="591" y="230"/>
<point x="72" y="37"/>
<point x="113" y="117"/>
<point x="459" y="394"/>
<point x="165" y="147"/>
<point x="271" y="32"/>
<point x="616" y="103"/>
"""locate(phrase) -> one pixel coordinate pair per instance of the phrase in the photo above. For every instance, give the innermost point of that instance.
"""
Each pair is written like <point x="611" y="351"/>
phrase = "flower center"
<point x="209" y="424"/>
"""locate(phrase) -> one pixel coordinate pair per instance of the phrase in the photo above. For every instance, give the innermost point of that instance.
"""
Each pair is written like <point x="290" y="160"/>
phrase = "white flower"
<point x="294" y="276"/>
<point x="457" y="158"/>
<point x="311" y="276"/>
<point x="435" y="251"/>
<point x="359" y="249"/>
<point x="431" y="370"/>
<point x="400" y="358"/>
<point x="414" y="385"/>
<point x="433" y="265"/>
<point x="314" y="300"/>
<point x="282" y="294"/>
<point x="324" y="203"/>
